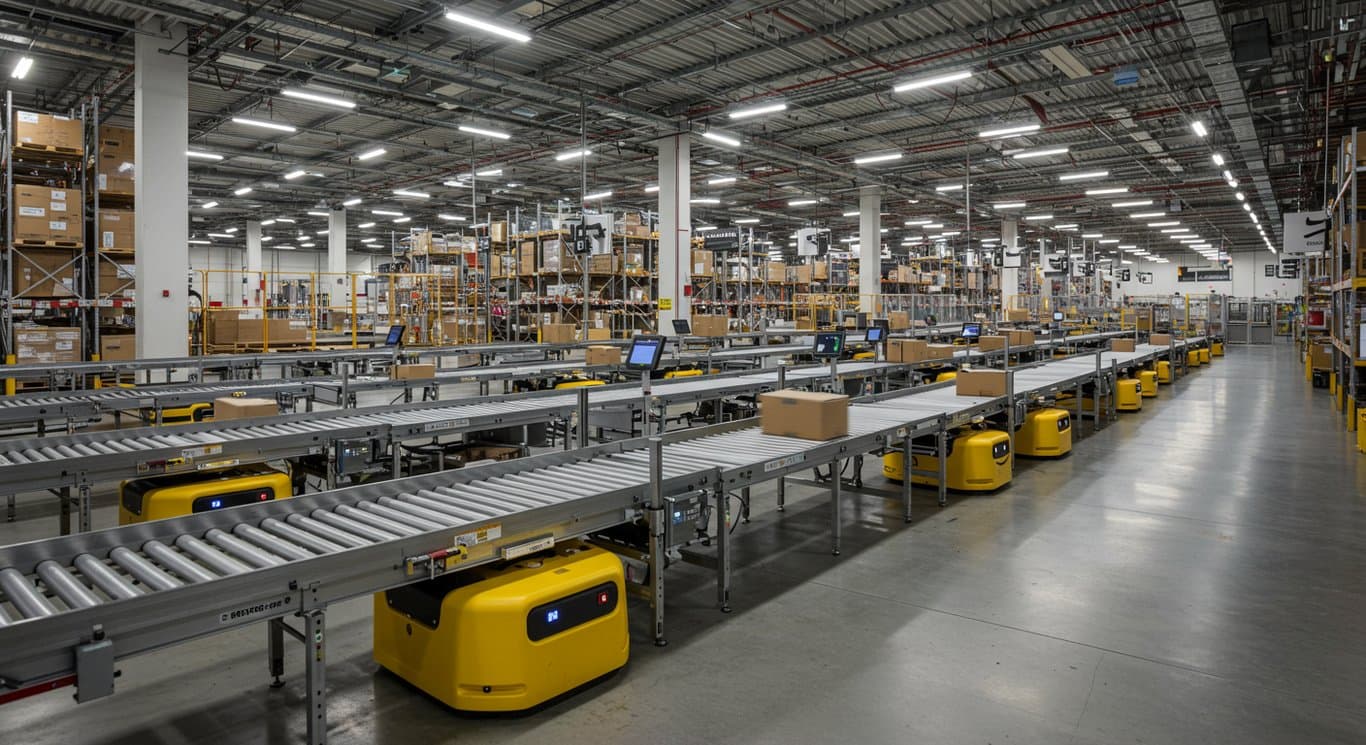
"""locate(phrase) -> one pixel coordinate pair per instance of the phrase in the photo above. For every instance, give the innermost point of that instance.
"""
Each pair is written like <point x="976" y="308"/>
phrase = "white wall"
<point x="1249" y="278"/>
<point x="224" y="280"/>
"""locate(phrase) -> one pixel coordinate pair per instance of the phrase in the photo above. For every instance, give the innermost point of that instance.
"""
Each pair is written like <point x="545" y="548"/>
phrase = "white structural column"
<point x="252" y="278"/>
<point x="338" y="288"/>
<point x="161" y="120"/>
<point x="870" y="249"/>
<point x="675" y="230"/>
<point x="1011" y="261"/>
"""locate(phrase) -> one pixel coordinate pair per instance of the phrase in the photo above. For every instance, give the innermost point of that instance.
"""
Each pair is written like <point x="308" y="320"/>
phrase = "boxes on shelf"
<point x="228" y="408"/>
<point x="116" y="279"/>
<point x="558" y="333"/>
<point x="44" y="273"/>
<point x="498" y="231"/>
<point x="703" y="263"/>
<point x="227" y="330"/>
<point x="526" y="258"/>
<point x="31" y="128"/>
<point x="1121" y="345"/>
<point x="424" y="371"/>
<point x="800" y="274"/>
<point x="633" y="262"/>
<point x="710" y="325"/>
<point x="46" y="344"/>
<point x="489" y="451"/>
<point x="116" y="160"/>
<point x="804" y="414"/>
<point x="1021" y="338"/>
<point x="899" y="320"/>
<point x="602" y="355"/>
<point x="118" y="347"/>
<point x="775" y="271"/>
<point x="1320" y="356"/>
<point x="603" y="334"/>
<point x="116" y="230"/>
<point x="557" y="258"/>
<point x="990" y="383"/>
<point x="820" y="271"/>
<point x="1017" y="315"/>
<point x="603" y="264"/>
<point x="43" y="214"/>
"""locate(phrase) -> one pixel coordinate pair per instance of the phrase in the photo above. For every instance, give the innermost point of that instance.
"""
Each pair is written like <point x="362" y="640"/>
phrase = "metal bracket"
<point x="95" y="668"/>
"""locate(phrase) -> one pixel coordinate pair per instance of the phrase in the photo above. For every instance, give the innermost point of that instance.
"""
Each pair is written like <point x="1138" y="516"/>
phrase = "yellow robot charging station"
<point x="1193" y="358"/>
<point x="1128" y="395"/>
<point x="978" y="460"/>
<point x="158" y="497"/>
<point x="1147" y="383"/>
<point x="1045" y="433"/>
<point x="510" y="636"/>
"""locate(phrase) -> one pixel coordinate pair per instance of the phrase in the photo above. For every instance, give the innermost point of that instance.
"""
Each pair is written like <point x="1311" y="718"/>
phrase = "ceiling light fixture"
<point x="401" y="220"/>
<point x="1038" y="218"/>
<point x="800" y="202"/>
<point x="1146" y="215"/>
<point x="492" y="28"/>
<point x="1027" y="154"/>
<point x="208" y="205"/>
<point x="1218" y="160"/>
<point x="768" y="108"/>
<point x="352" y="202"/>
<point x="201" y="155"/>
<point x="300" y="173"/>
<point x="1014" y="131"/>
<point x="412" y="194"/>
<point x="652" y="189"/>
<point x="948" y="187"/>
<point x="1009" y="205"/>
<point x="365" y="225"/>
<point x="1165" y="224"/>
<point x="571" y="154"/>
<point x="704" y="200"/>
<point x="1198" y="127"/>
<point x="242" y="191"/>
<point x="721" y="138"/>
<point x="745" y="220"/>
<point x="719" y="180"/>
<point x="386" y="213"/>
<point x="449" y="218"/>
<point x="597" y="195"/>
<point x="1135" y="203"/>
<point x="867" y="159"/>
<point x="1083" y="175"/>
<point x="263" y="124"/>
<point x="21" y="68"/>
<point x="340" y="103"/>
<point x="371" y="154"/>
<point x="911" y="85"/>
<point x="484" y="132"/>
<point x="489" y="173"/>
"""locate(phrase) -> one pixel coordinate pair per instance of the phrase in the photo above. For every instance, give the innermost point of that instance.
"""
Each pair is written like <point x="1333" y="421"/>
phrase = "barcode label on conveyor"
<point x="482" y="535"/>
<point x="266" y="609"/>
<point x="449" y="424"/>
<point x="790" y="460"/>
<point x="200" y="452"/>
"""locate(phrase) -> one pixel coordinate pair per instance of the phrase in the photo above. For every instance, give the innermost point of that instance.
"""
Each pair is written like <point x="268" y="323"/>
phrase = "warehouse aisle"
<point x="1194" y="573"/>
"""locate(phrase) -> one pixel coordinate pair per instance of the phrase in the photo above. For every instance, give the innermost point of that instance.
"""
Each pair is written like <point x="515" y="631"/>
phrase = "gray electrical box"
<point x="681" y="517"/>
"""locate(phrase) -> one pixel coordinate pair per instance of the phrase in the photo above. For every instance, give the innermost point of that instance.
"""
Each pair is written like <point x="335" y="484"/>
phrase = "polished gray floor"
<point x="1195" y="573"/>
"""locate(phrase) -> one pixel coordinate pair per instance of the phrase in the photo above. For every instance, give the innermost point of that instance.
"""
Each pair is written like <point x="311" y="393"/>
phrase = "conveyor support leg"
<point x="782" y="494"/>
<point x="656" y="544"/>
<point x="316" y="675"/>
<point x="835" y="507"/>
<point x="722" y="550"/>
<point x="275" y="645"/>
<point x="941" y="442"/>
<point x="906" y="478"/>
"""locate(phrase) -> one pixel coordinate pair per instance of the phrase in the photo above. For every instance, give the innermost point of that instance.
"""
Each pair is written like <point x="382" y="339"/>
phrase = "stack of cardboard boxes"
<point x="46" y="344"/>
<point x="633" y="227"/>
<point x="117" y="157"/>
<point x="226" y="329"/>
<point x="44" y="131"/>
<point x="44" y="215"/>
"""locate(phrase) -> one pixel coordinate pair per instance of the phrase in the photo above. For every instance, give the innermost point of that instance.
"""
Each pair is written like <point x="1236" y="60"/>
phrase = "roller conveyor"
<point x="145" y="586"/>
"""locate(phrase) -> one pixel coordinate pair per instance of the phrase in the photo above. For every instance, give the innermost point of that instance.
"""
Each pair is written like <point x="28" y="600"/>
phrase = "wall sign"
<point x="1269" y="270"/>
<point x="1145" y="278"/>
<point x="1186" y="274"/>
<point x="727" y="239"/>
<point x="1289" y="269"/>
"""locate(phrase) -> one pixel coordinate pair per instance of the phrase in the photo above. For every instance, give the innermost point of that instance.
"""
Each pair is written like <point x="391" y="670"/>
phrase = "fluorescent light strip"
<point x="449" y="217"/>
<point x="208" y="205"/>
<point x="1040" y="153"/>
<point x="1092" y="235"/>
<point x="1009" y="205"/>
<point x="651" y="189"/>
<point x="340" y="103"/>
<point x="484" y="132"/>
<point x="1066" y="226"/>
<point x="492" y="28"/>
<point x="1014" y="131"/>
<point x="488" y="173"/>
<point x="1218" y="160"/>
<point x="571" y="154"/>
<point x="721" y="180"/>
<point x="948" y="187"/>
<point x="768" y="108"/>
<point x="365" y="225"/>
<point x="201" y="155"/>
<point x="1107" y="190"/>
<point x="1038" y="218"/>
<point x="316" y="213"/>
<point x="371" y="154"/>
<point x="21" y="68"/>
<point x="1135" y="203"/>
<point x="300" y="173"/>
<point x="245" y="190"/>
<point x="1176" y="230"/>
<point x="597" y="195"/>
<point x="704" y="200"/>
<point x="386" y="213"/>
<point x="1164" y="224"/>
<point x="401" y="220"/>
<point x="1146" y="215"/>
<point x="800" y="202"/>
<point x="220" y="235"/>
<point x="412" y="194"/>
<point x="721" y="138"/>
<point x="289" y="220"/>
<point x="911" y="85"/>
<point x="745" y="220"/>
<point x="1108" y="241"/>
<point x="196" y="242"/>
<point x="263" y="124"/>
<point x="866" y="159"/>
<point x="1198" y="127"/>
<point x="352" y="202"/>
<point x="1083" y="175"/>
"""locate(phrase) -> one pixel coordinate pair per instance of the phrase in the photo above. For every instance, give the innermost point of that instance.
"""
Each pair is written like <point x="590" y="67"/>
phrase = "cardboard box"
<point x="917" y="350"/>
<point x="804" y="414"/>
<point x="899" y="320"/>
<point x="1121" y="345"/>
<point x="43" y="214"/>
<point x="703" y="263"/>
<point x="116" y="230"/>
<point x="990" y="343"/>
<point x="820" y="271"/>
<point x="990" y="383"/>
<point x="1021" y="338"/>
<point x="117" y="141"/>
<point x="117" y="279"/>
<point x="228" y="408"/>
<point x="226" y="329"/>
<point x="558" y="333"/>
<point x="775" y="271"/>
<point x="118" y="347"/>
<point x="526" y="258"/>
<point x="710" y="325"/>
<point x="46" y="344"/>
<point x="31" y="128"/>
<point x="424" y="371"/>
<point x="602" y="355"/>
<point x="1017" y="315"/>
<point x="1320" y="356"/>
<point x="44" y="273"/>
<point x="806" y="323"/>
<point x="498" y="231"/>
<point x="1161" y="340"/>
<point x="603" y="264"/>
<point x="489" y="451"/>
<point x="599" y="334"/>
<point x="799" y="274"/>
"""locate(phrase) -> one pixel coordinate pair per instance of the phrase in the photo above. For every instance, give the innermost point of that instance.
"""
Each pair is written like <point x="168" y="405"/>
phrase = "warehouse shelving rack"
<point x="1347" y="281"/>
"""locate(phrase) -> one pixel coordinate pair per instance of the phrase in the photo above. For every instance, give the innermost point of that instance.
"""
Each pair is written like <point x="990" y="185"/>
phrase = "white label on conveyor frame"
<point x="482" y="535"/>
<point x="528" y="548"/>
<point x="449" y="424"/>
<point x="790" y="460"/>
<point x="263" y="609"/>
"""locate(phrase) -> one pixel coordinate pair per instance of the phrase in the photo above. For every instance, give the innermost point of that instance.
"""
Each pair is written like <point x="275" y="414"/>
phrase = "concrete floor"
<point x="1193" y="573"/>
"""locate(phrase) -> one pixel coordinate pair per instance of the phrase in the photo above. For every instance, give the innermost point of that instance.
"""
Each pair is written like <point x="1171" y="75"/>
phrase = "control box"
<point x="353" y="456"/>
<point x="681" y="517"/>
